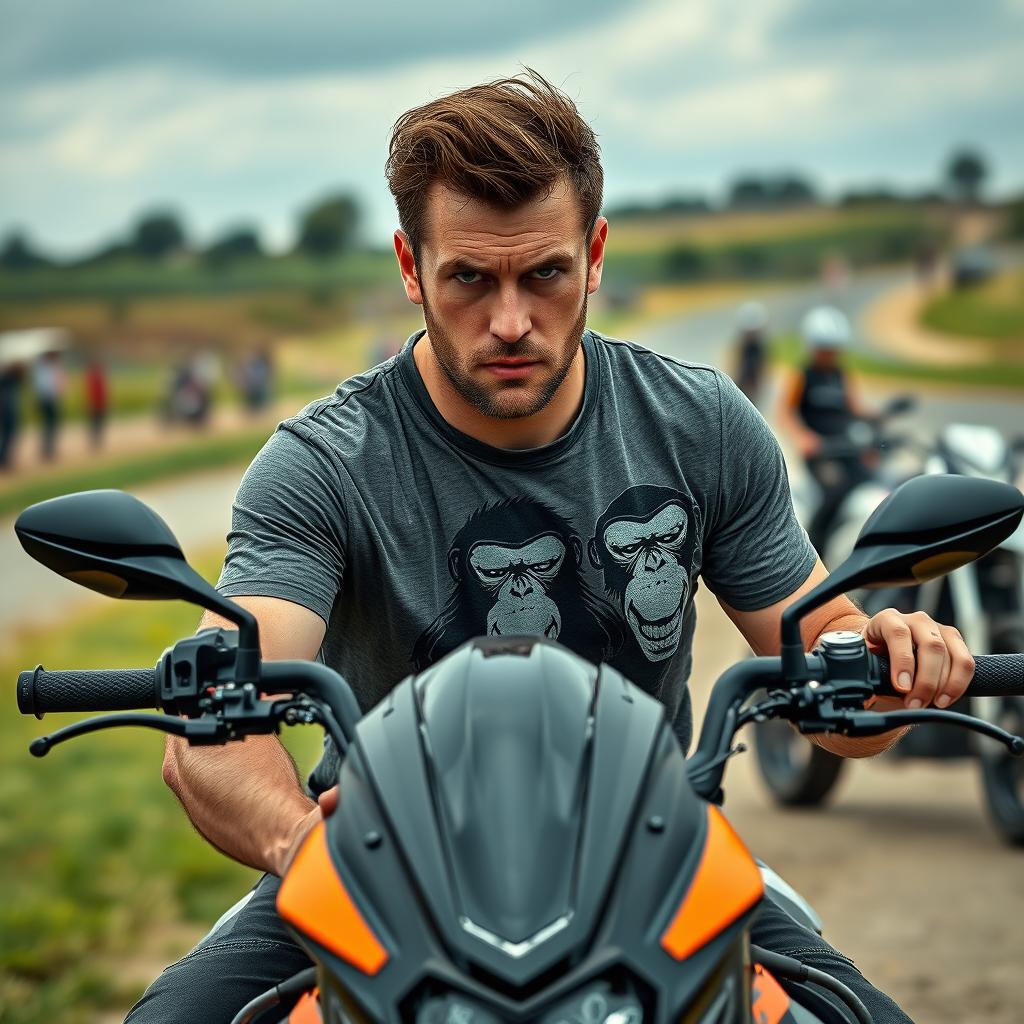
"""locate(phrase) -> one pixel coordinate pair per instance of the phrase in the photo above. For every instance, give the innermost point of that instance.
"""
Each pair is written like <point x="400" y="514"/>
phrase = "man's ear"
<point x="595" y="254"/>
<point x="407" y="267"/>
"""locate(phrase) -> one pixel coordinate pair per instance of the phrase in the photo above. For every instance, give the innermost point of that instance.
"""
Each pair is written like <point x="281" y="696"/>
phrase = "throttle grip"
<point x="995" y="675"/>
<point x="125" y="689"/>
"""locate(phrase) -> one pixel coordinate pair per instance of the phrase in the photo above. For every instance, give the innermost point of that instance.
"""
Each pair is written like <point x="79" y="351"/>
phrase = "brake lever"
<point x="200" y="731"/>
<point x="871" y="723"/>
<point x="228" y="713"/>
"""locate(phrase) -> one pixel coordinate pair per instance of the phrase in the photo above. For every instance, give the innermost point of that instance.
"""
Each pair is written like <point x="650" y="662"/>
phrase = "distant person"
<point x="11" y="377"/>
<point x="190" y="394"/>
<point x="48" y="384"/>
<point x="205" y="371"/>
<point x="751" y="349"/>
<point x="256" y="380"/>
<point x="818" y="406"/>
<point x="97" y="400"/>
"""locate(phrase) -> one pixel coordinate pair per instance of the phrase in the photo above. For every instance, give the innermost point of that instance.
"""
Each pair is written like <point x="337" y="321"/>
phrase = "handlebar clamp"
<point x="194" y="664"/>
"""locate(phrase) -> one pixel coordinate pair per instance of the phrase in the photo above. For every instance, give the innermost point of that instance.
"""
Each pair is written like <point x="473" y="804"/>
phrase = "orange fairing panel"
<point x="306" y="1010"/>
<point x="770" y="1002"/>
<point x="726" y="885"/>
<point x="313" y="898"/>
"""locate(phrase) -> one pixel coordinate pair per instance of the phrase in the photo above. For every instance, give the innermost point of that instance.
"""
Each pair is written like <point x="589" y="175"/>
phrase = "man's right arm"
<point x="246" y="797"/>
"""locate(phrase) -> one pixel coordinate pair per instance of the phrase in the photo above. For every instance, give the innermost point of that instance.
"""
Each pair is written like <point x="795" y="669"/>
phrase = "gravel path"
<point x="909" y="878"/>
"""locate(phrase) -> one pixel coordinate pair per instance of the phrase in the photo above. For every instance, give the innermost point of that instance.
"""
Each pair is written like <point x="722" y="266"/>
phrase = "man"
<point x="509" y="471"/>
<point x="751" y="349"/>
<point x="817" y="408"/>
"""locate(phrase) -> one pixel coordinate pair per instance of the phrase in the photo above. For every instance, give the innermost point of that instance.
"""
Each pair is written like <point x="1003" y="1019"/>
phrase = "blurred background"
<point x="195" y="241"/>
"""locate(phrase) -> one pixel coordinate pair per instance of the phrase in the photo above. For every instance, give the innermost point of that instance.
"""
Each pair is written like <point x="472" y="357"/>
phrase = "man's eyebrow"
<point x="460" y="264"/>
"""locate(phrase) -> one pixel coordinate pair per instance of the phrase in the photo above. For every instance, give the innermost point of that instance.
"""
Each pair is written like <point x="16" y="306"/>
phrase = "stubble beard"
<point x="496" y="401"/>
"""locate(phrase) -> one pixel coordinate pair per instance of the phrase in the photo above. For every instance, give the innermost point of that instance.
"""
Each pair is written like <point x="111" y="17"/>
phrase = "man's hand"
<point x="326" y="806"/>
<point x="930" y="662"/>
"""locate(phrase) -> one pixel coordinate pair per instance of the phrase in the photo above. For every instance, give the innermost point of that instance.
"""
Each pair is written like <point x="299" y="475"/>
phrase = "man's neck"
<point x="513" y="434"/>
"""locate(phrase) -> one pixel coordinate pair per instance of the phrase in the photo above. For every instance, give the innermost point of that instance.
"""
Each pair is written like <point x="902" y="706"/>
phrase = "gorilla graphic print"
<point x="646" y="544"/>
<point x="516" y="568"/>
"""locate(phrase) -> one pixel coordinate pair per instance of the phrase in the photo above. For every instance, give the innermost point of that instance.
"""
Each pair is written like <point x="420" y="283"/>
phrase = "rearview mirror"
<point x="111" y="542"/>
<point x="931" y="525"/>
<point x="927" y="527"/>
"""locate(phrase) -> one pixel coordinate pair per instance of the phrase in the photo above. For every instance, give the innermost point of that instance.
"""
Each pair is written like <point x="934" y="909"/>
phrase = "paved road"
<point x="705" y="337"/>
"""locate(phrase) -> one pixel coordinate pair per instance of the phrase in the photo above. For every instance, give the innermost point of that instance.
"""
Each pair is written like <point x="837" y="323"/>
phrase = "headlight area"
<point x="601" y="1001"/>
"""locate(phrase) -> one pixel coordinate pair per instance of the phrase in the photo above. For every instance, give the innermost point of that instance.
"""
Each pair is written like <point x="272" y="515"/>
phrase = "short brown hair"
<point x="504" y="142"/>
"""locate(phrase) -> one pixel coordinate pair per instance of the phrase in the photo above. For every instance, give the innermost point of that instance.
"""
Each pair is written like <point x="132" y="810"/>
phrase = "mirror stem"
<point x="247" y="656"/>
<point x="794" y="661"/>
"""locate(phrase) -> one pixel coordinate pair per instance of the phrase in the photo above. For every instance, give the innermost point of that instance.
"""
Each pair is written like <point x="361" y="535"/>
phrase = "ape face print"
<point x="645" y="543"/>
<point x="519" y="578"/>
<point x="658" y="585"/>
<point x="516" y="568"/>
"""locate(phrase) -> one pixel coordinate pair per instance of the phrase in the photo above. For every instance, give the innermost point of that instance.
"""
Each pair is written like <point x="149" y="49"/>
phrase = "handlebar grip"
<point x="995" y="675"/>
<point x="123" y="689"/>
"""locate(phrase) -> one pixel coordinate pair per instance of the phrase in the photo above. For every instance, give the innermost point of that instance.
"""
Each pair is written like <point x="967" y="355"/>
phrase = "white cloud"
<point x="710" y="86"/>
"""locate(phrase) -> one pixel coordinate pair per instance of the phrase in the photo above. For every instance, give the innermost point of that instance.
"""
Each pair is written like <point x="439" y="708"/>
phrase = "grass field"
<point x="994" y="311"/>
<point x="638" y="233"/>
<point x="100" y="866"/>
<point x="132" y="279"/>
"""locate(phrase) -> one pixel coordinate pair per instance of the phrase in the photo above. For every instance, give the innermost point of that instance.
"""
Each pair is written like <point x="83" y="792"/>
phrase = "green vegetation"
<point x="789" y="351"/>
<point x="763" y="246"/>
<point x="127" y="277"/>
<point x="103" y="870"/>
<point x="994" y="311"/>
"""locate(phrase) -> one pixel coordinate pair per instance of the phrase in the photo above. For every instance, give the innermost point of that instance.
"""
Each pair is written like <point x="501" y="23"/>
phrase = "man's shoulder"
<point x="354" y="403"/>
<point x="631" y="361"/>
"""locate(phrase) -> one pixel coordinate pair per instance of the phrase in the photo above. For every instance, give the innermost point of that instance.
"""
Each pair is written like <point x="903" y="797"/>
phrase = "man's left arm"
<point x="930" y="662"/>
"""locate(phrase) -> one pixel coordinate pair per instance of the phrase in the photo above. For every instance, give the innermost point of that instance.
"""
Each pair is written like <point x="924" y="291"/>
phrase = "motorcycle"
<point x="984" y="600"/>
<point x="520" y="837"/>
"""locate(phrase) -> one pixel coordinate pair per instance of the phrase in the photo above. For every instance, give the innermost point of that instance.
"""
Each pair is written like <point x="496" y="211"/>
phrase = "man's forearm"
<point x="861" y="746"/>
<point x="245" y="798"/>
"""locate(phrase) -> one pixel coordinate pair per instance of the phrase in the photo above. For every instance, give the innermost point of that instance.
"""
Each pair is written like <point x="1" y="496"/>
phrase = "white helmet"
<point x="751" y="317"/>
<point x="826" y="327"/>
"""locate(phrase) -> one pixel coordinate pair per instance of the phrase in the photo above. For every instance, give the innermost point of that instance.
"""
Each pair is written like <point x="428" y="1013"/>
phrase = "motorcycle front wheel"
<point x="798" y="773"/>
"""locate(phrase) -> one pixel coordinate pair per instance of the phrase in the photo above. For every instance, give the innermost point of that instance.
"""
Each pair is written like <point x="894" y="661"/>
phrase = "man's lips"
<point x="511" y="368"/>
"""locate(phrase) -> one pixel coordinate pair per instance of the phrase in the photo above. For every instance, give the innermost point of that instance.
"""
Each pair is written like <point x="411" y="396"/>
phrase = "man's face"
<point x="504" y="295"/>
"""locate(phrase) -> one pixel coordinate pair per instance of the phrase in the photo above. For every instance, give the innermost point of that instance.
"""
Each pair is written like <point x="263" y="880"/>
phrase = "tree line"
<point x="330" y="226"/>
<point x="963" y="181"/>
<point x="325" y="229"/>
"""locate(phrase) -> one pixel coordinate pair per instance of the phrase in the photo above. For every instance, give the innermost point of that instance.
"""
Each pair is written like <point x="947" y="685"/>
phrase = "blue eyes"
<point x="475" y="277"/>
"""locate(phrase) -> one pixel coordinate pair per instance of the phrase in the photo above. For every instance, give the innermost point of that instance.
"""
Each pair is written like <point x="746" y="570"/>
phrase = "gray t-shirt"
<point x="408" y="537"/>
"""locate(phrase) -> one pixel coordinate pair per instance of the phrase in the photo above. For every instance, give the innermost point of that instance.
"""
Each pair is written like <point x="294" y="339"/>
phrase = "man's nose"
<point x="510" y="319"/>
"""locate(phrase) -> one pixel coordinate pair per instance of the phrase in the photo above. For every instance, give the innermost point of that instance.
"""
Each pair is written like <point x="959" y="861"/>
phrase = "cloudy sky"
<point x="245" y="110"/>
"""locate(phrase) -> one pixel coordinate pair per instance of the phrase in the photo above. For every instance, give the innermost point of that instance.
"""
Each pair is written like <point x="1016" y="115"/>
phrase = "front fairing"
<point x="641" y="902"/>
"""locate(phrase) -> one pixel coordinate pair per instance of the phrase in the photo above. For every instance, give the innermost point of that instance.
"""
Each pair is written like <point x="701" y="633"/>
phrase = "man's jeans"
<point x="251" y="951"/>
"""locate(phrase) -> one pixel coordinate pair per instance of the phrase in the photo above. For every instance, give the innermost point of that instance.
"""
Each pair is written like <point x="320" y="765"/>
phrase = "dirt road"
<point x="910" y="880"/>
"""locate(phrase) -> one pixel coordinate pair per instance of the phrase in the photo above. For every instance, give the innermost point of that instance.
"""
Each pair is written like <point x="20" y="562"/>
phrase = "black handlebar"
<point x="995" y="675"/>
<point x="126" y="689"/>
